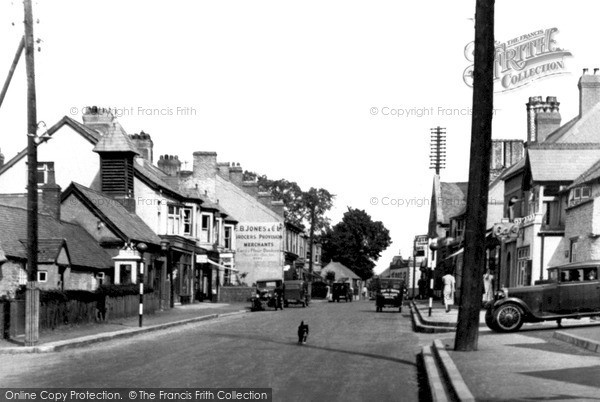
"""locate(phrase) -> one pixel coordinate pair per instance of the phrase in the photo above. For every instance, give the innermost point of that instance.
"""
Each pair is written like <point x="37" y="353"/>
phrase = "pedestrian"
<point x="364" y="292"/>
<point x="488" y="289"/>
<point x="449" y="289"/>
<point x="379" y="301"/>
<point x="279" y="292"/>
<point x="422" y="283"/>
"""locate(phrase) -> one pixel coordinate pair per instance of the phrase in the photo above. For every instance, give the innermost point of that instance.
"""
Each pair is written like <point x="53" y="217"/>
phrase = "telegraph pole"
<point x="32" y="301"/>
<point x="467" y="329"/>
<point x="437" y="155"/>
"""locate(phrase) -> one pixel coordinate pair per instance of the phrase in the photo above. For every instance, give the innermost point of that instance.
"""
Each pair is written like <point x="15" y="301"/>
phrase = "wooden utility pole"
<point x="13" y="67"/>
<point x="32" y="293"/>
<point x="467" y="330"/>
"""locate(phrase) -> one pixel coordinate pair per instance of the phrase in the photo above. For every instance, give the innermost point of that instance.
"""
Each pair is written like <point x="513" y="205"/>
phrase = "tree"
<point x="330" y="276"/>
<point x="316" y="203"/>
<point x="357" y="242"/>
<point x="467" y="330"/>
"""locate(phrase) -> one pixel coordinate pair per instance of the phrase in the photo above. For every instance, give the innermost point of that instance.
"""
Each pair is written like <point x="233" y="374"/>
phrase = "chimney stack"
<point x="547" y="119"/>
<point x="144" y="145"/>
<point x="169" y="164"/>
<point x="205" y="172"/>
<point x="100" y="119"/>
<point x="589" y="91"/>
<point x="49" y="195"/>
<point x="223" y="169"/>
<point x="236" y="174"/>
<point x="542" y="118"/>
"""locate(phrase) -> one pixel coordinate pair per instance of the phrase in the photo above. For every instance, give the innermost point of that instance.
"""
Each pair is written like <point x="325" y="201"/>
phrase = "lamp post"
<point x="141" y="247"/>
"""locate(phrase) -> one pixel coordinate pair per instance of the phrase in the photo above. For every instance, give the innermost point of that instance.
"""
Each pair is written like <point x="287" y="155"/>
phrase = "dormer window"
<point x="579" y="194"/>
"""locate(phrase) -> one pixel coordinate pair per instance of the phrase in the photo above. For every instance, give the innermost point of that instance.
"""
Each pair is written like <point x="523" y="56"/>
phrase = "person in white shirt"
<point x="449" y="289"/>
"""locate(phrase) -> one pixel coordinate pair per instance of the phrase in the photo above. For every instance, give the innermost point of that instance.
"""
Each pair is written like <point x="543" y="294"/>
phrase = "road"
<point x="352" y="354"/>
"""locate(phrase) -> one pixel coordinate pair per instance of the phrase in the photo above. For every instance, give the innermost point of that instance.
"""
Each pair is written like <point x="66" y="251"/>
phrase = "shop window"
<point x="523" y="266"/>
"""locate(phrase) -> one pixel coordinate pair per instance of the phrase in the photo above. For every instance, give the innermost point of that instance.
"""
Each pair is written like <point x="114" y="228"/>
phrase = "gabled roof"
<point x="49" y="249"/>
<point x="83" y="250"/>
<point x="451" y="200"/>
<point x="128" y="225"/>
<point x="560" y="162"/>
<point x="91" y="135"/>
<point x="341" y="271"/>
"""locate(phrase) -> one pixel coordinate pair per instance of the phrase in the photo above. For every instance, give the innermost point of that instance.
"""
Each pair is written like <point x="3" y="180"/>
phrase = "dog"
<point x="302" y="333"/>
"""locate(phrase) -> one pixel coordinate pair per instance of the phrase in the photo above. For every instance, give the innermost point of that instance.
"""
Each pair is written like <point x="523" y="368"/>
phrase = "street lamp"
<point x="141" y="247"/>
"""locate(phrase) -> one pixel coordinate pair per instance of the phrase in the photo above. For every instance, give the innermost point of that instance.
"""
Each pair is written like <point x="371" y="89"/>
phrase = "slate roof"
<point x="116" y="140"/>
<point x="451" y="200"/>
<point x="84" y="251"/>
<point x="341" y="271"/>
<point x="593" y="173"/>
<point x="48" y="249"/>
<point x="128" y="224"/>
<point x="561" y="162"/>
<point x="580" y="129"/>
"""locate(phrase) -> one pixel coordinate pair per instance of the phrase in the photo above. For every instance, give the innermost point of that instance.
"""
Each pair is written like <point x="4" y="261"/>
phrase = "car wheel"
<point x="508" y="318"/>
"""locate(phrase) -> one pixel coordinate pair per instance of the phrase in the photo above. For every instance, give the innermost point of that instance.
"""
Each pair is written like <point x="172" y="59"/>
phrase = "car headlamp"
<point x="501" y="294"/>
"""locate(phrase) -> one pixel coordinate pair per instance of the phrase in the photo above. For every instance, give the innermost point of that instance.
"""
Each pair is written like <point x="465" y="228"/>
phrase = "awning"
<point x="221" y="266"/>
<point x="455" y="254"/>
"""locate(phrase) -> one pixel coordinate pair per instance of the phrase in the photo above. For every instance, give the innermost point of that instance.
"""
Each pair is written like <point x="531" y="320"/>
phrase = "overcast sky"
<point x="287" y="88"/>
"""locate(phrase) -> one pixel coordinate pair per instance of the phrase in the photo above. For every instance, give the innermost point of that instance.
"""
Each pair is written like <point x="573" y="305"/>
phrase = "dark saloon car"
<point x="571" y="291"/>
<point x="389" y="298"/>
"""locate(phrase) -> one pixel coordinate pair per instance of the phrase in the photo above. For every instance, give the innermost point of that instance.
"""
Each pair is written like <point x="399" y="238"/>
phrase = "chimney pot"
<point x="595" y="71"/>
<point x="585" y="70"/>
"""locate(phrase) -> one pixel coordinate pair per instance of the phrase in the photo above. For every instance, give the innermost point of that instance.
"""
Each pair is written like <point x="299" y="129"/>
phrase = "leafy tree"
<point x="357" y="242"/>
<point x="330" y="276"/>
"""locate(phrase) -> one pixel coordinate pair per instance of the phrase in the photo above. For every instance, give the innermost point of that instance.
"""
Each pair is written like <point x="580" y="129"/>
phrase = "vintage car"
<point x="389" y="298"/>
<point x="341" y="290"/>
<point x="571" y="291"/>
<point x="265" y="295"/>
<point x="296" y="292"/>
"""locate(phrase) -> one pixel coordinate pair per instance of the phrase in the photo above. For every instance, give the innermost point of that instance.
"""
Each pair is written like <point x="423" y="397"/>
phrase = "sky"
<point x="331" y="94"/>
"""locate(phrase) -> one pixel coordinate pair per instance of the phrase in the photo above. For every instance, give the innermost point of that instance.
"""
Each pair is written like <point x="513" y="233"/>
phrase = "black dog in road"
<point x="302" y="333"/>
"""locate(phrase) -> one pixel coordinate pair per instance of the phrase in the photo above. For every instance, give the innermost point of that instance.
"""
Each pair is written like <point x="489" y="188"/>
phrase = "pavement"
<point x="539" y="362"/>
<point x="80" y="335"/>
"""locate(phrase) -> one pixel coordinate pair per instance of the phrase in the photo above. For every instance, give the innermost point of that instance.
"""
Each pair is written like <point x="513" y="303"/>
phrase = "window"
<point x="218" y="228"/>
<point x="43" y="172"/>
<point x="205" y="231"/>
<point x="187" y="221"/>
<point x="22" y="277"/>
<point x="573" y="250"/>
<point x="173" y="220"/>
<point x="227" y="237"/>
<point x="579" y="194"/>
<point x="523" y="266"/>
<point x="42" y="276"/>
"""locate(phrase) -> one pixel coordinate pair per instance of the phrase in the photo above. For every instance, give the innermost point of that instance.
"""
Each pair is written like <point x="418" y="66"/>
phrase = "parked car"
<point x="389" y="298"/>
<point x="296" y="292"/>
<point x="571" y="291"/>
<point x="265" y="295"/>
<point x="341" y="290"/>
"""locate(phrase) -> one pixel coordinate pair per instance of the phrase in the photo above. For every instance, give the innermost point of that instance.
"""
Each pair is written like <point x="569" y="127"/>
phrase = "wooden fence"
<point x="56" y="314"/>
